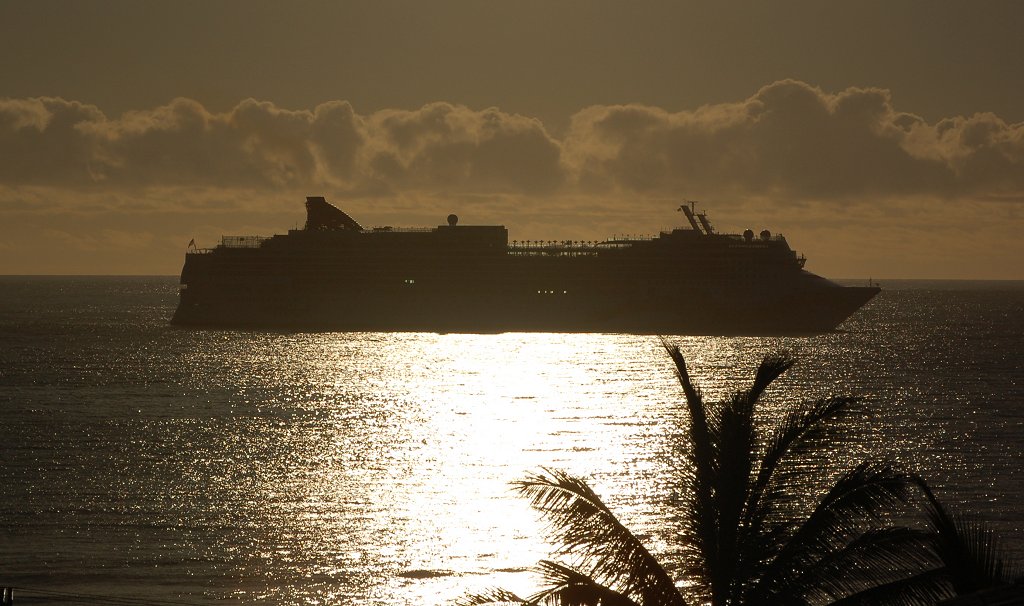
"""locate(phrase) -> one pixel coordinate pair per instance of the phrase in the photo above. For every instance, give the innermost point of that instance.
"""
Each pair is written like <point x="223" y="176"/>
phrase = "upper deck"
<point x="329" y="232"/>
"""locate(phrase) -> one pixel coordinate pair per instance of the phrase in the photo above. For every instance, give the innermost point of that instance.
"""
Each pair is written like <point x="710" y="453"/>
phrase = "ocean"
<point x="146" y="464"/>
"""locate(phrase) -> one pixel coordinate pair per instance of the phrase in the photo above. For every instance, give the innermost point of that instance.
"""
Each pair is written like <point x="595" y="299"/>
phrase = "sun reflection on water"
<point x="231" y="466"/>
<point x="377" y="467"/>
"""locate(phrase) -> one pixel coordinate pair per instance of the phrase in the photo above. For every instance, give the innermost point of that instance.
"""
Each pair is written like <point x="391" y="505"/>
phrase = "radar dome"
<point x="766" y="235"/>
<point x="748" y="234"/>
<point x="453" y="220"/>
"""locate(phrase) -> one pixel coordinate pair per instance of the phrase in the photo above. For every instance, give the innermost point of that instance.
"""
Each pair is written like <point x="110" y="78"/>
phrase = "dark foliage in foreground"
<point x="751" y="532"/>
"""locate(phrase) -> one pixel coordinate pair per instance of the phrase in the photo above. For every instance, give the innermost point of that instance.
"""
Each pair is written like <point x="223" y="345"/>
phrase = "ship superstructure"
<point x="333" y="274"/>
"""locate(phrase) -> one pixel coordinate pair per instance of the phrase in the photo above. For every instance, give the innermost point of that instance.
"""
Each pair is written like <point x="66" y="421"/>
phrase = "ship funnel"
<point x="321" y="215"/>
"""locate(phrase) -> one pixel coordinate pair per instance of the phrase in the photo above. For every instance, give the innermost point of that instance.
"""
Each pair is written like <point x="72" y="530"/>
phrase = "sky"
<point x="884" y="139"/>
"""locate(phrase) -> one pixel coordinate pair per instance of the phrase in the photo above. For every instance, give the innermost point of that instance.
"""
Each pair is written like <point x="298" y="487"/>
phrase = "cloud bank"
<point x="843" y="168"/>
<point x="788" y="139"/>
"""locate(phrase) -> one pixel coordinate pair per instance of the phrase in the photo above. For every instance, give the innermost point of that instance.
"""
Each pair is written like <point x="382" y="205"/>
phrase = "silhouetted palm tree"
<point x="758" y="524"/>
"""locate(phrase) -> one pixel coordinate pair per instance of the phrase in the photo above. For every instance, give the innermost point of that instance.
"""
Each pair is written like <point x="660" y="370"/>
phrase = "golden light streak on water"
<point x="373" y="469"/>
<point x="415" y="487"/>
<point x="388" y="464"/>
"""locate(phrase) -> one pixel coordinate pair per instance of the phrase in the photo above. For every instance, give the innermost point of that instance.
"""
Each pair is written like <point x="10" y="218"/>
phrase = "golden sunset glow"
<point x="395" y="302"/>
<point x="413" y="491"/>
<point x="885" y="140"/>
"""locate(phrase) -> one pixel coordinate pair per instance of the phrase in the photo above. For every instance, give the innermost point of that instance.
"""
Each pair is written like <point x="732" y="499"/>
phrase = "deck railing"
<point x="243" y="241"/>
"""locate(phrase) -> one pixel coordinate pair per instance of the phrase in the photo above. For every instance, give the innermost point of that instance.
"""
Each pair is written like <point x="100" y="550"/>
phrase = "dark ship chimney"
<point x="321" y="215"/>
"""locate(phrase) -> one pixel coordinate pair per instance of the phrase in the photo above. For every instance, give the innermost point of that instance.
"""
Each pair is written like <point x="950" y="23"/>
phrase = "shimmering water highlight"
<point x="316" y="468"/>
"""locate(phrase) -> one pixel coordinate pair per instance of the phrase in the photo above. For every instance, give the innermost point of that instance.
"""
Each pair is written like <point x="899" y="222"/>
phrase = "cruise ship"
<point x="336" y="275"/>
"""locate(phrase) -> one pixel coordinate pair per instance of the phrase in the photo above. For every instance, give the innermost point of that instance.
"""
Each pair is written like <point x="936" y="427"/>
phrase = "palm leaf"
<point x="923" y="588"/>
<point x="700" y="526"/>
<point x="858" y="499"/>
<point x="733" y="448"/>
<point x="689" y="390"/>
<point x="567" y="586"/>
<point x="700" y="431"/>
<point x="492" y="597"/>
<point x="735" y="454"/>
<point x="583" y="526"/>
<point x="772" y="366"/>
<point x="876" y="557"/>
<point x="969" y="550"/>
<point x="798" y="437"/>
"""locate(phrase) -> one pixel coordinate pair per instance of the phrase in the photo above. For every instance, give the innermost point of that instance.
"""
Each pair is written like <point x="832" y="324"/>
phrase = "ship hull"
<point x="718" y="312"/>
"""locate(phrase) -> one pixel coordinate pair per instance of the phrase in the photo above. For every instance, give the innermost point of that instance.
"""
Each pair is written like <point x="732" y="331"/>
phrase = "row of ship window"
<point x="539" y="292"/>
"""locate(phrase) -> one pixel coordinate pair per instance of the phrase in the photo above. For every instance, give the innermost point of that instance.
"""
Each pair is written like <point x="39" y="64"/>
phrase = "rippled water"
<point x="139" y="459"/>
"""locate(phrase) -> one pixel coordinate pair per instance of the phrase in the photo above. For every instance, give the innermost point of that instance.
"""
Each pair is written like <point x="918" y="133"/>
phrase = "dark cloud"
<point x="986" y="150"/>
<point x="255" y="144"/>
<point x="41" y="140"/>
<point x="336" y="137"/>
<point x="443" y="146"/>
<point x="788" y="140"/>
<point x="438" y="147"/>
<point x="795" y="140"/>
<point x="83" y="192"/>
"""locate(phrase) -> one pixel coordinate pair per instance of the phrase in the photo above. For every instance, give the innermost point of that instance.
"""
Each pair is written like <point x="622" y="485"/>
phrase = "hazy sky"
<point x="885" y="139"/>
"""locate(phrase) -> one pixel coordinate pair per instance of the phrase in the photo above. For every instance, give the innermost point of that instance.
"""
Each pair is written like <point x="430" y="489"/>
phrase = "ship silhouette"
<point x="333" y="274"/>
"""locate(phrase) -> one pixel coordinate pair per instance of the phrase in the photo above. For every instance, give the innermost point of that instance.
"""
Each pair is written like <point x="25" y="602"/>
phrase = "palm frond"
<point x="700" y="431"/>
<point x="858" y="499"/>
<point x="969" y="550"/>
<point x="926" y="587"/>
<point x="800" y="433"/>
<point x="735" y="454"/>
<point x="772" y="366"/>
<point x="492" y="597"/>
<point x="689" y="390"/>
<point x="876" y="557"/>
<point x="566" y="586"/>
<point x="582" y="525"/>
<point x="700" y="527"/>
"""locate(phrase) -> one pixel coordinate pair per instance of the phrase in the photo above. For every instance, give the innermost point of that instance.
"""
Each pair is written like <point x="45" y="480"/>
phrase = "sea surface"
<point x="142" y="463"/>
